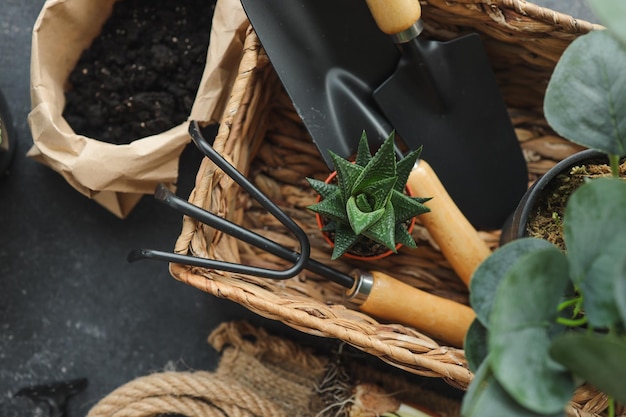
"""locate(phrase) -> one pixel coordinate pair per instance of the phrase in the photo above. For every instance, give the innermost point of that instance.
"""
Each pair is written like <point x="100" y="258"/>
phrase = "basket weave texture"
<point x="261" y="134"/>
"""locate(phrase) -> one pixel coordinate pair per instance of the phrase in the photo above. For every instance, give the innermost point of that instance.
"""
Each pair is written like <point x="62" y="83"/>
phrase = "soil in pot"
<point x="546" y="218"/>
<point x="140" y="76"/>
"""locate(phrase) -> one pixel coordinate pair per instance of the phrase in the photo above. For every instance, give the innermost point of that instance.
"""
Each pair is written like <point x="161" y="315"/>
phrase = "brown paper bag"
<point x="116" y="176"/>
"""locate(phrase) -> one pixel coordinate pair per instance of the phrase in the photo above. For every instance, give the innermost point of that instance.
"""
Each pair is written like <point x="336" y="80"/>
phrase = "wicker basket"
<point x="263" y="136"/>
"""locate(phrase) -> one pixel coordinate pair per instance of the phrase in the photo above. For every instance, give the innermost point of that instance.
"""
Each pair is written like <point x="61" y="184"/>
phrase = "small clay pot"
<point x="320" y="224"/>
<point x="515" y="226"/>
<point x="7" y="148"/>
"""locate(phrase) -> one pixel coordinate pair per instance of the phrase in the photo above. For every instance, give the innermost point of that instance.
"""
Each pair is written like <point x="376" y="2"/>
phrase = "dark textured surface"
<point x="70" y="304"/>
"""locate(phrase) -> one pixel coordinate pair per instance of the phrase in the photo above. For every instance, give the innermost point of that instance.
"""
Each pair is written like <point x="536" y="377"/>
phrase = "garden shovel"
<point x="344" y="75"/>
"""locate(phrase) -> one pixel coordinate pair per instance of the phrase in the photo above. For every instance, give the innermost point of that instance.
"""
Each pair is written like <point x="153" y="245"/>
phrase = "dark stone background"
<point x="70" y="304"/>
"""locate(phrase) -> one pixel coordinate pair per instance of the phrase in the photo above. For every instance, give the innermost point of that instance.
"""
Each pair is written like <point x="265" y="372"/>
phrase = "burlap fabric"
<point x="261" y="375"/>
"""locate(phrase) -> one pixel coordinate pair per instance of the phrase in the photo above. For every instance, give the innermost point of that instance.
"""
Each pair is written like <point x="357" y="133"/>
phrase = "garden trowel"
<point x="344" y="75"/>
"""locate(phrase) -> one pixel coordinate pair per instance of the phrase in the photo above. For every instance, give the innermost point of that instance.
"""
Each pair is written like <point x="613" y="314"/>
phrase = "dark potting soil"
<point x="546" y="218"/>
<point x="140" y="76"/>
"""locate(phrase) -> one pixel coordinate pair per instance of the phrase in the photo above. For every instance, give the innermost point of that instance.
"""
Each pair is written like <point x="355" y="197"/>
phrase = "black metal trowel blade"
<point x="457" y="113"/>
<point x="329" y="66"/>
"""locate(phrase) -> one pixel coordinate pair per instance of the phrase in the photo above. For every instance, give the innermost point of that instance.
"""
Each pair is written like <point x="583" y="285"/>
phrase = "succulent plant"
<point x="367" y="201"/>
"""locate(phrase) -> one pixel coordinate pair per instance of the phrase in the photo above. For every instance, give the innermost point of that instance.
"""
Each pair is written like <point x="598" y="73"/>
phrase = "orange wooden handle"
<point x="395" y="16"/>
<point x="458" y="240"/>
<point x="398" y="302"/>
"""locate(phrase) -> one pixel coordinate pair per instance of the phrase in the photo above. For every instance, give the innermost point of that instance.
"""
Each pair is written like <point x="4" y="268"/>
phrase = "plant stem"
<point x="576" y="303"/>
<point x="572" y="322"/>
<point x="568" y="303"/>
<point x="611" y="407"/>
<point x="614" y="162"/>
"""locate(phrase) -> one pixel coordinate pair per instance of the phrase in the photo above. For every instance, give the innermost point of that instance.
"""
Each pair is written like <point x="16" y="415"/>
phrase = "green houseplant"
<point x="367" y="203"/>
<point x="548" y="319"/>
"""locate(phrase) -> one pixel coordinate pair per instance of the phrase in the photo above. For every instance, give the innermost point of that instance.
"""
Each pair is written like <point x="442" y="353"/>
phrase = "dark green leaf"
<point x="475" y="345"/>
<point x="363" y="154"/>
<point x="331" y="226"/>
<point x="405" y="166"/>
<point x="332" y="207"/>
<point x="585" y="101"/>
<point x="406" y="207"/>
<point x="487" y="276"/>
<point x="594" y="216"/>
<point x="347" y="174"/>
<point x="360" y="220"/>
<point x="344" y="239"/>
<point x="520" y="326"/>
<point x="384" y="230"/>
<point x="485" y="397"/>
<point x="403" y="236"/>
<point x="598" y="291"/>
<point x="381" y="166"/>
<point x="322" y="188"/>
<point x="597" y="359"/>
<point x="379" y="192"/>
<point x="422" y="200"/>
<point x="362" y="202"/>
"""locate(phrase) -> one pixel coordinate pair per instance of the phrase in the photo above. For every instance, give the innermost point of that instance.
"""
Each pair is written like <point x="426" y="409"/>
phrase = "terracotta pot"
<point x="515" y="226"/>
<point x="320" y="223"/>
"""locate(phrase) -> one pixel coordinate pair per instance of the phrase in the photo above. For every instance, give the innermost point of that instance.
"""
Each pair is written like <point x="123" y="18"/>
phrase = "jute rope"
<point x="193" y="394"/>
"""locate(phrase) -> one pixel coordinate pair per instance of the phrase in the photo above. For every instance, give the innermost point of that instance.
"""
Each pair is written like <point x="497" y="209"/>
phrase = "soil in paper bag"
<point x="140" y="76"/>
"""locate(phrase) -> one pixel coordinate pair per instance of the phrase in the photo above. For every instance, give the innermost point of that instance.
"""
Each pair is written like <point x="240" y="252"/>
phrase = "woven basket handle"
<point x="395" y="16"/>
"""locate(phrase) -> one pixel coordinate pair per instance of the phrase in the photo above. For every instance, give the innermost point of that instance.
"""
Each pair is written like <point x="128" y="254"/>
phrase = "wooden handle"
<point x="395" y="16"/>
<point x="398" y="302"/>
<point x="458" y="240"/>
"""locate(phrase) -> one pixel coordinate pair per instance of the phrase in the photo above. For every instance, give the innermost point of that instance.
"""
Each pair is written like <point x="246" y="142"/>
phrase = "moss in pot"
<point x="367" y="206"/>
<point x="541" y="210"/>
<point x="552" y="321"/>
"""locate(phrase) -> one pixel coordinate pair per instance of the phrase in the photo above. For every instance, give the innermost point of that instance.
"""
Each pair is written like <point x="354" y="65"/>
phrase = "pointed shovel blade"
<point x="462" y="122"/>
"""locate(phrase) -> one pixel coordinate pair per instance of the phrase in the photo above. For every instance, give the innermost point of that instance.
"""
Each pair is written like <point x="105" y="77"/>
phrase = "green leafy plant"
<point x="368" y="200"/>
<point x="549" y="320"/>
